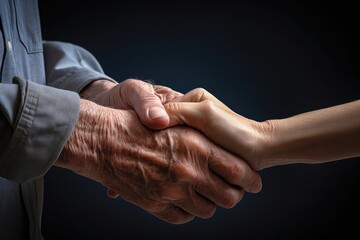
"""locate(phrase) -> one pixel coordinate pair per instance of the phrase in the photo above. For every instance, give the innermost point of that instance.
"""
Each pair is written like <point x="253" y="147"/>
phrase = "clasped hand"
<point x="175" y="174"/>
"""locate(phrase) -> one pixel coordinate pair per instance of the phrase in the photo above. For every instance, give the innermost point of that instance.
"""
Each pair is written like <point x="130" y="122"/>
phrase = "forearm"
<point x="315" y="137"/>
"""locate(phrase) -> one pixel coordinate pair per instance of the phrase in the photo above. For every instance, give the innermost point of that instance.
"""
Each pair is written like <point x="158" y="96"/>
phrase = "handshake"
<point x="181" y="156"/>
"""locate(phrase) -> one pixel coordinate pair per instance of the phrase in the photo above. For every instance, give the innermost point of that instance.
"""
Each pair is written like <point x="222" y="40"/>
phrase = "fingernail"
<point x="157" y="112"/>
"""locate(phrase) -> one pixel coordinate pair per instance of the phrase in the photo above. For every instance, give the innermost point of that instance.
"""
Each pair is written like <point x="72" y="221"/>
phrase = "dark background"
<point x="265" y="60"/>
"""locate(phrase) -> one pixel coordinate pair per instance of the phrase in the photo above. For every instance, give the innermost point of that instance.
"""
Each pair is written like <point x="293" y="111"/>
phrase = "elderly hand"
<point x="175" y="174"/>
<point x="146" y="99"/>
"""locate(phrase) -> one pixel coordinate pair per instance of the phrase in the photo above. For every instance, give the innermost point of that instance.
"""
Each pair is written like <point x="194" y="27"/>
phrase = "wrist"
<point x="94" y="89"/>
<point x="80" y="152"/>
<point x="265" y="144"/>
<point x="281" y="143"/>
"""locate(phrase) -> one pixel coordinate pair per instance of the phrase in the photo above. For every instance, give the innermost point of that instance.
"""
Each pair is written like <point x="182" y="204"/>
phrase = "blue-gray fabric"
<point x="39" y="107"/>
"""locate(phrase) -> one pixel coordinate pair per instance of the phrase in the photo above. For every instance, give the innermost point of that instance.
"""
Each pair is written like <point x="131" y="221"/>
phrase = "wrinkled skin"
<point x="133" y="94"/>
<point x="175" y="174"/>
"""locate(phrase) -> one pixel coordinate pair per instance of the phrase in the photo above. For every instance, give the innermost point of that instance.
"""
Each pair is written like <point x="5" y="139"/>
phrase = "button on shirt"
<point x="39" y="106"/>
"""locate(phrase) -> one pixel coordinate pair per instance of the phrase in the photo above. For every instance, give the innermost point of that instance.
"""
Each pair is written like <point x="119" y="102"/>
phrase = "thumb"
<point x="150" y="110"/>
<point x="112" y="194"/>
<point x="189" y="113"/>
<point x="142" y="97"/>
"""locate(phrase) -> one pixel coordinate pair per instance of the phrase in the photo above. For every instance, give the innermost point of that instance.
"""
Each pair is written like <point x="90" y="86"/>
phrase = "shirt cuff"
<point x="77" y="78"/>
<point x="45" y="121"/>
<point x="70" y="67"/>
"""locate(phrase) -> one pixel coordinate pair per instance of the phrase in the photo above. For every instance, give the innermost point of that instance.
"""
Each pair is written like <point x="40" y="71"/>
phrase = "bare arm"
<point x="314" y="137"/>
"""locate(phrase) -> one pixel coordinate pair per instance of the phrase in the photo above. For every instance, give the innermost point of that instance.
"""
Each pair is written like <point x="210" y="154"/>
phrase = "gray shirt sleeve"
<point x="32" y="116"/>
<point x="70" y="66"/>
<point x="36" y="120"/>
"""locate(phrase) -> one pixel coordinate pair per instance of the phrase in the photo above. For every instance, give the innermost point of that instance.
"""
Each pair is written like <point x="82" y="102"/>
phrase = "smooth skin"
<point x="175" y="174"/>
<point x="314" y="137"/>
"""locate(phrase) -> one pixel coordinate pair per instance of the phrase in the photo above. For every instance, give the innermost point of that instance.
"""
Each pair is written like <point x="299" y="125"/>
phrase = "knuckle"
<point x="171" y="193"/>
<point x="209" y="110"/>
<point x="184" y="172"/>
<point x="229" y="203"/>
<point x="162" y="89"/>
<point x="134" y="85"/>
<point x="231" y="199"/>
<point x="208" y="212"/>
<point x="236" y="173"/>
<point x="208" y="105"/>
<point x="154" y="206"/>
<point x="129" y="86"/>
<point x="256" y="184"/>
<point x="130" y="82"/>
<point x="199" y="93"/>
<point x="172" y="107"/>
<point x="196" y="144"/>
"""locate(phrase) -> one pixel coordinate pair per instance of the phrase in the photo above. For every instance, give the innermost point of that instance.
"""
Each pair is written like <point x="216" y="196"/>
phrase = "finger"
<point x="173" y="214"/>
<point x="227" y="130"/>
<point x="141" y="96"/>
<point x="235" y="171"/>
<point x="197" y="206"/>
<point x="199" y="95"/>
<point x="166" y="94"/>
<point x="112" y="194"/>
<point x="163" y="210"/>
<point x="189" y="200"/>
<point x="189" y="113"/>
<point x="205" y="116"/>
<point x="221" y="193"/>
